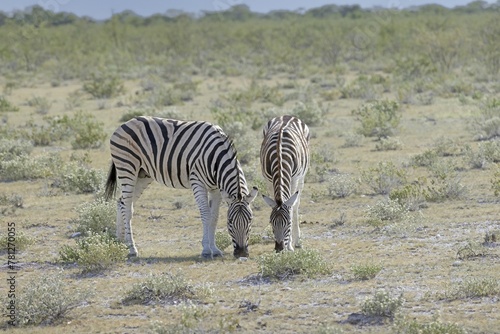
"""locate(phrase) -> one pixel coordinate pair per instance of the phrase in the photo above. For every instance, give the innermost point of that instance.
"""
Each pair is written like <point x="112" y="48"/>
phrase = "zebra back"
<point x="173" y="152"/>
<point x="284" y="153"/>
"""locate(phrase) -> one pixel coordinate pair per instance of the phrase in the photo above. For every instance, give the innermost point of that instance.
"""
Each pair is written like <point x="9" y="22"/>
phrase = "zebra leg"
<point x="126" y="208"/>
<point x="214" y="200"/>
<point x="201" y="197"/>
<point x="295" y="219"/>
<point x="120" y="221"/>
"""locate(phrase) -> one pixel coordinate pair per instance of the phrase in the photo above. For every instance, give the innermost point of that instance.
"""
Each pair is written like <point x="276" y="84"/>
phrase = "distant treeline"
<point x="37" y="15"/>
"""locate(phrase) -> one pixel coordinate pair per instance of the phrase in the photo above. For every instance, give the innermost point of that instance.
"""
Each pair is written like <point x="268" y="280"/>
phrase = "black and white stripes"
<point x="180" y="154"/>
<point x="284" y="157"/>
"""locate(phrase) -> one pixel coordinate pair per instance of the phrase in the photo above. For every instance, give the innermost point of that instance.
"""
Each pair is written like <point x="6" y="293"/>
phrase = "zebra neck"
<point x="280" y="179"/>
<point x="231" y="181"/>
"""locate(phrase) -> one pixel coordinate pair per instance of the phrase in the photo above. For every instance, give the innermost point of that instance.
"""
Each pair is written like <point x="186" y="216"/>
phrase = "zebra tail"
<point x="109" y="192"/>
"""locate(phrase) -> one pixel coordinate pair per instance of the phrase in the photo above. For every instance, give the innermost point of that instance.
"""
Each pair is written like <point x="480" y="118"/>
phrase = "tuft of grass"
<point x="363" y="272"/>
<point x="382" y="304"/>
<point x="411" y="196"/>
<point x="285" y="264"/>
<point x="95" y="252"/>
<point x="10" y="203"/>
<point x="165" y="288"/>
<point x="45" y="301"/>
<point x="472" y="288"/>
<point x="5" y="105"/>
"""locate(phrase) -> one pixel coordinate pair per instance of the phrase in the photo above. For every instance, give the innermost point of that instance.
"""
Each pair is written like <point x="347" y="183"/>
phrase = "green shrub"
<point x="446" y="183"/>
<point x="382" y="305"/>
<point x="378" y="119"/>
<point x="96" y="217"/>
<point x="363" y="272"/>
<point x="383" y="178"/>
<point x="425" y="159"/>
<point x="12" y="148"/>
<point x="310" y="112"/>
<point x="411" y="196"/>
<point x="45" y="300"/>
<point x="485" y="124"/>
<point x="20" y="240"/>
<point x="9" y="204"/>
<point x="222" y="240"/>
<point x="79" y="179"/>
<point x="286" y="264"/>
<point x="165" y="288"/>
<point x="385" y="212"/>
<point x="488" y="152"/>
<point x="103" y="86"/>
<point x="353" y="140"/>
<point x="41" y="104"/>
<point x="25" y="167"/>
<point x="5" y="105"/>
<point x="341" y="186"/>
<point x="95" y="252"/>
<point x="472" y="288"/>
<point x="389" y="144"/>
<point x="403" y="325"/>
<point x="87" y="131"/>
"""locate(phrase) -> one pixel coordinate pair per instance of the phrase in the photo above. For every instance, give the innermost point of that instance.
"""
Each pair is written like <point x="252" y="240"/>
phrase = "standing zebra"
<point x="179" y="154"/>
<point x="284" y="157"/>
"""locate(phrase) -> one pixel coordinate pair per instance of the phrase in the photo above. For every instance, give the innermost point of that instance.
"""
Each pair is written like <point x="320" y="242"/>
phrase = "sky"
<point x="101" y="9"/>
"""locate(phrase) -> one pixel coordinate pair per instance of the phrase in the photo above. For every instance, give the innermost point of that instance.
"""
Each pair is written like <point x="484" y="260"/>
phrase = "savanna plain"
<point x="399" y="212"/>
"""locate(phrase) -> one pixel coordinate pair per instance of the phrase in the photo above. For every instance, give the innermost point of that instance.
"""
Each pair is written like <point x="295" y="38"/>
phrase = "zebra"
<point x="284" y="157"/>
<point x="180" y="154"/>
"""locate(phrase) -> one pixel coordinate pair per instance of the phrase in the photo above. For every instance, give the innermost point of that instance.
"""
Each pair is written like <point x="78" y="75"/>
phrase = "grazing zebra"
<point x="179" y="154"/>
<point x="284" y="157"/>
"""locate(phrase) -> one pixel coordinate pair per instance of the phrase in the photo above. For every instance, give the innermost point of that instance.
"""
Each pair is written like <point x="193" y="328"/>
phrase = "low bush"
<point x="382" y="304"/>
<point x="389" y="144"/>
<point x="341" y="186"/>
<point x="25" y="167"/>
<point x="363" y="272"/>
<point x="13" y="148"/>
<point x="10" y="203"/>
<point x="379" y="118"/>
<point x="485" y="123"/>
<point x="96" y="217"/>
<point x="95" y="252"/>
<point x="45" y="300"/>
<point x="286" y="264"/>
<point x="20" y="240"/>
<point x="165" y="288"/>
<point x="472" y="288"/>
<point x="5" y="105"/>
<point x="406" y="326"/>
<point x="385" y="212"/>
<point x="41" y="104"/>
<point x="383" y="178"/>
<point x="103" y="86"/>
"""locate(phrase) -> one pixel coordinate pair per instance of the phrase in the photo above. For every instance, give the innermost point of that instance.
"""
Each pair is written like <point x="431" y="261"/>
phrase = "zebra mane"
<point x="240" y="175"/>
<point x="279" y="198"/>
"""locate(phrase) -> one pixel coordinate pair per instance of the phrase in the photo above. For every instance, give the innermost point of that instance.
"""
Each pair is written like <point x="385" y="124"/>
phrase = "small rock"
<point x="457" y="263"/>
<point x="76" y="234"/>
<point x="243" y="258"/>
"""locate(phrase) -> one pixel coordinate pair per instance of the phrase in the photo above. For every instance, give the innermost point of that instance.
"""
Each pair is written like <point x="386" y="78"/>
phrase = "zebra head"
<point x="239" y="221"/>
<point x="281" y="221"/>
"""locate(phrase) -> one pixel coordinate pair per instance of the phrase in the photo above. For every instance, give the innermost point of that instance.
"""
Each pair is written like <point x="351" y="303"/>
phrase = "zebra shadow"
<point x="176" y="259"/>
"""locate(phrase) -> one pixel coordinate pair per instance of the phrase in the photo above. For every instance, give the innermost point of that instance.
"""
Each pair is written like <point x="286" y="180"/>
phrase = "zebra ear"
<point x="252" y="195"/>
<point x="269" y="201"/>
<point x="291" y="201"/>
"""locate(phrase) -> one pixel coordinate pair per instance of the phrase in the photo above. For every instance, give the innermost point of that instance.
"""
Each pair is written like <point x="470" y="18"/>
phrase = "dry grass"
<point x="419" y="259"/>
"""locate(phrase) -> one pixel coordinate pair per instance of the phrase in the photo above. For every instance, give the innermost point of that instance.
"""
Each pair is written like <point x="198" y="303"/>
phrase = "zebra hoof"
<point x="211" y="255"/>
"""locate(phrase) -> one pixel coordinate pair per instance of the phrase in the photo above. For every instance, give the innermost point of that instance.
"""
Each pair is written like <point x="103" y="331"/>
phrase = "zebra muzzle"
<point x="278" y="246"/>
<point x="240" y="252"/>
